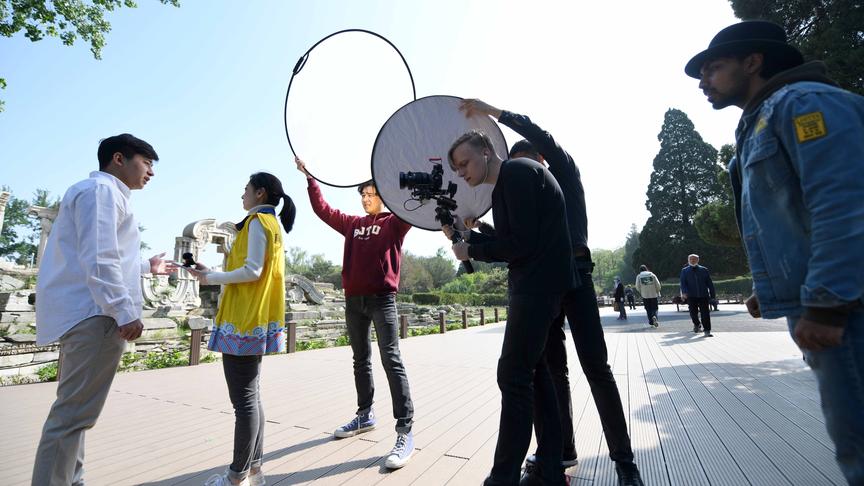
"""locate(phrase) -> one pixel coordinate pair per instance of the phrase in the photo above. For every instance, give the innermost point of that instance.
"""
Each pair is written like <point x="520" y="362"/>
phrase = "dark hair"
<point x="475" y="138"/>
<point x="273" y="188"/>
<point x="643" y="268"/>
<point x="523" y="146"/>
<point x="369" y="183"/>
<point x="126" y="144"/>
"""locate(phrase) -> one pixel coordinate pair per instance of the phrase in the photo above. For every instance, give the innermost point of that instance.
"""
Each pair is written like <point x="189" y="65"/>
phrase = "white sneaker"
<point x="401" y="452"/>
<point x="222" y="480"/>
<point x="257" y="479"/>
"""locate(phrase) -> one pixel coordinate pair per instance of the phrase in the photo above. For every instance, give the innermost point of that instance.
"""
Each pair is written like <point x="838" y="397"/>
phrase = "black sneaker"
<point x="696" y="329"/>
<point x="628" y="474"/>
<point x="532" y="478"/>
<point x="566" y="461"/>
<point x="708" y="334"/>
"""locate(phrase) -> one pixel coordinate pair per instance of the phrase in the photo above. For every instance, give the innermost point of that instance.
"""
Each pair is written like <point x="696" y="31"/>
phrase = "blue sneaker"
<point x="362" y="423"/>
<point x="401" y="452"/>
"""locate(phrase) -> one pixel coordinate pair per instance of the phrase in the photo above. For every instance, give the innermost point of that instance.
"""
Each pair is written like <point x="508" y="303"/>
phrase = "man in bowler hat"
<point x="798" y="185"/>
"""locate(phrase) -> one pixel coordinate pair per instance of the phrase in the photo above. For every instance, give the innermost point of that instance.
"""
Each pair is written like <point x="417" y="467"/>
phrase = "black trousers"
<point x="526" y="387"/>
<point x="651" y="307"/>
<point x="698" y="306"/>
<point x="580" y="308"/>
<point x="241" y="375"/>
<point x="361" y="312"/>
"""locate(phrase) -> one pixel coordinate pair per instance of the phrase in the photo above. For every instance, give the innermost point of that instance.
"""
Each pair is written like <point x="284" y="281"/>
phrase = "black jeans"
<point x="622" y="309"/>
<point x="697" y="306"/>
<point x="580" y="307"/>
<point x="360" y="310"/>
<point x="526" y="387"/>
<point x="241" y="375"/>
<point x="651" y="307"/>
<point x="631" y="302"/>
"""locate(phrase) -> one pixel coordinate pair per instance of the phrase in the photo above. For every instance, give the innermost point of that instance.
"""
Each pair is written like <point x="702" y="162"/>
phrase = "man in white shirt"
<point x="88" y="296"/>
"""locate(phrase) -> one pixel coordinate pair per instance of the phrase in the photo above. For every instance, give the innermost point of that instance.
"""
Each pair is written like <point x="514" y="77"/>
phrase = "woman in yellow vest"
<point x="250" y="321"/>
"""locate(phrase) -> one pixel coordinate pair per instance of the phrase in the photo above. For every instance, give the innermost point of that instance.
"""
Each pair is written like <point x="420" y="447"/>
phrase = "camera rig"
<point x="429" y="185"/>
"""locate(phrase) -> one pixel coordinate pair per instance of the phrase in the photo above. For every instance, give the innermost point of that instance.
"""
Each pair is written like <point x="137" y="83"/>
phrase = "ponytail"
<point x="288" y="213"/>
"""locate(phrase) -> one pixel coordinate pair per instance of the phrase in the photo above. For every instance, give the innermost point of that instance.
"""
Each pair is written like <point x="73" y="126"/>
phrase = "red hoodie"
<point x="373" y="246"/>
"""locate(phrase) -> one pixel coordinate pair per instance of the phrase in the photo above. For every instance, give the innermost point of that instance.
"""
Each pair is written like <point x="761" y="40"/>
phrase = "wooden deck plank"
<point x="802" y="459"/>
<point x="681" y="462"/>
<point x="708" y="449"/>
<point x="740" y="408"/>
<point x="753" y="462"/>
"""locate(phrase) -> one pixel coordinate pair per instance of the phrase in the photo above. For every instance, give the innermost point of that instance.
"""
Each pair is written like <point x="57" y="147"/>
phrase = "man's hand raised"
<point x="472" y="107"/>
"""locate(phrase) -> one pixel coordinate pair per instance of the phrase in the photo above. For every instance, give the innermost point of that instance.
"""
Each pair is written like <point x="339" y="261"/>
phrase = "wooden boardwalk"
<point x="740" y="408"/>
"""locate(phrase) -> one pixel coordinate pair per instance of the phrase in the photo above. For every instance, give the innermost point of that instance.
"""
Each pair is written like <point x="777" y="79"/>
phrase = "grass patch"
<point x="47" y="372"/>
<point x="311" y="344"/>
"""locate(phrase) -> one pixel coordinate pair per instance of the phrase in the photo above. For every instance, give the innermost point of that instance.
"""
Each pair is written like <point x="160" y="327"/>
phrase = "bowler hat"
<point x="743" y="38"/>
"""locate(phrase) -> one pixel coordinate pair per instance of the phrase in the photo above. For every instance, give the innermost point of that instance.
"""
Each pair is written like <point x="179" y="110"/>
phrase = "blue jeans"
<point x="840" y="374"/>
<point x="380" y="310"/>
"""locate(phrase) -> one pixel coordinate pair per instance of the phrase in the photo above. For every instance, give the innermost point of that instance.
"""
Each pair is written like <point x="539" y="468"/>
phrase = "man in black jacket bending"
<point x="531" y="236"/>
<point x="578" y="304"/>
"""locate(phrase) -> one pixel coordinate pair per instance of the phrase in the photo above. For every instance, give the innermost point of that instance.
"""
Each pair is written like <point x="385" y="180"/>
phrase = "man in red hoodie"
<point x="370" y="278"/>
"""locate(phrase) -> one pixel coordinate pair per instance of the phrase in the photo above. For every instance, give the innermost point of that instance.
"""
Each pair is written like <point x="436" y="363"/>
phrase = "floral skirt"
<point x="226" y="339"/>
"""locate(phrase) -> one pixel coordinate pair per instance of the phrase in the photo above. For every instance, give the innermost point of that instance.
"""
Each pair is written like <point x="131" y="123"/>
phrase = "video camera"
<point x="425" y="186"/>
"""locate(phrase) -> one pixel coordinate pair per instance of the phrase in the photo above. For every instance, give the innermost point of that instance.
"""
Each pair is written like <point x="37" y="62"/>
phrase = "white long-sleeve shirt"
<point x="92" y="263"/>
<point x="254" y="264"/>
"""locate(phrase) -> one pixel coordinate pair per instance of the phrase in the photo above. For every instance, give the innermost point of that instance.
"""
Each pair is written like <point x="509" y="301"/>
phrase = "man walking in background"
<point x="648" y="286"/>
<point x="698" y="289"/>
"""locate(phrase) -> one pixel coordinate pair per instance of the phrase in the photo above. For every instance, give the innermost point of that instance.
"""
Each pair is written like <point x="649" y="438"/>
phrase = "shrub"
<point x="47" y="372"/>
<point x="342" y="341"/>
<point x="311" y="344"/>
<point x="427" y="299"/>
<point x="422" y="331"/>
<point x="155" y="361"/>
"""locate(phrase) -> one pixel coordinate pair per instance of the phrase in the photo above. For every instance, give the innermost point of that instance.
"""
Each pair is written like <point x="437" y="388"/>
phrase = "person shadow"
<point x="293" y="477"/>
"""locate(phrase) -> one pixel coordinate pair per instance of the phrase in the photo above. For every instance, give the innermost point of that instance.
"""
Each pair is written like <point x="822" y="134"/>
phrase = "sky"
<point x="205" y="84"/>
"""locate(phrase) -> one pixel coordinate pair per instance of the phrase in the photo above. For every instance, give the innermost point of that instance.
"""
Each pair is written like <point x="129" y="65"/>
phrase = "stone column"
<point x="4" y="198"/>
<point x="46" y="220"/>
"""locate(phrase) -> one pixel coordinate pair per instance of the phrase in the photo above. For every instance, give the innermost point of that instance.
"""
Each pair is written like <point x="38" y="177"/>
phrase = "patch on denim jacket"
<point x="810" y="126"/>
<point x="760" y="125"/>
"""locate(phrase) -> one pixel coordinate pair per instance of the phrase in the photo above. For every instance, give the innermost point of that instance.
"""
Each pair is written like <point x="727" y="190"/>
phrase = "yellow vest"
<point x="251" y="316"/>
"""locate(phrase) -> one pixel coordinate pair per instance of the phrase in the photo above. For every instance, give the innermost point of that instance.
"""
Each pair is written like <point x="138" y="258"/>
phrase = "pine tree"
<point x="684" y="180"/>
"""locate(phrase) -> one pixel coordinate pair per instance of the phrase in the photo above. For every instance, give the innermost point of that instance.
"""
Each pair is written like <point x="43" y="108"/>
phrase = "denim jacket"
<point x="798" y="184"/>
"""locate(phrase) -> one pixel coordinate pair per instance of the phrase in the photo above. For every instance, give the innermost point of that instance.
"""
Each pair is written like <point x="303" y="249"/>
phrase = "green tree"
<point x="65" y="19"/>
<point x="413" y="275"/>
<point x="19" y="238"/>
<point x="296" y="261"/>
<point x="715" y="222"/>
<point x="628" y="267"/>
<point x="316" y="267"/>
<point x="606" y="265"/>
<point x="143" y="245"/>
<point x="684" y="179"/>
<point x="440" y="268"/>
<point x="829" y="30"/>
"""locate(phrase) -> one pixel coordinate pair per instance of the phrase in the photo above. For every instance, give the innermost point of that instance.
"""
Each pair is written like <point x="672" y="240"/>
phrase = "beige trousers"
<point x="90" y="354"/>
